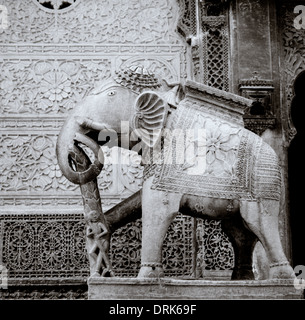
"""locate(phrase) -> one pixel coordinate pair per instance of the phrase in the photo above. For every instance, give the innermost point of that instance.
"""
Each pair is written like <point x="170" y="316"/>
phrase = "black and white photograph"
<point x="151" y="151"/>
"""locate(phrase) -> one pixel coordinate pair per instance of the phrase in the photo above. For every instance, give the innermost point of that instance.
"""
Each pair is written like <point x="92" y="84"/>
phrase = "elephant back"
<point x="234" y="163"/>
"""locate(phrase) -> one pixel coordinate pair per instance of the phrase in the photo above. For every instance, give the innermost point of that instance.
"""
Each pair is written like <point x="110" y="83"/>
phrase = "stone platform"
<point x="168" y="288"/>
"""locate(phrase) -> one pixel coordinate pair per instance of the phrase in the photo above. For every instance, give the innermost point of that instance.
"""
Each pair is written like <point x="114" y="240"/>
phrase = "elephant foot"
<point x="96" y="274"/>
<point x="281" y="271"/>
<point x="245" y="273"/>
<point x="151" y="270"/>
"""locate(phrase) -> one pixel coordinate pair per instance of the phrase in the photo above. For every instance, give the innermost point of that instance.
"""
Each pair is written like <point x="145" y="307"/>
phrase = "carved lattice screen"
<point x="52" y="54"/>
<point x="210" y="53"/>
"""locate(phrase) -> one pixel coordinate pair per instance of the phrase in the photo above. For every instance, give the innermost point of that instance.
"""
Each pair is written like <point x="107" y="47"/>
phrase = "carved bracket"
<point x="259" y="116"/>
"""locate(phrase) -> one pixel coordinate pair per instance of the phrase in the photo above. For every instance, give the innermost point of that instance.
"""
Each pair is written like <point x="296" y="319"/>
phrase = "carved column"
<point x="260" y="116"/>
<point x="254" y="56"/>
<point x="292" y="61"/>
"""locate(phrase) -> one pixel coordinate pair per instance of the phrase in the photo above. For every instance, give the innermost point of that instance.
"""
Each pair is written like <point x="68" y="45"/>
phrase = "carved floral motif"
<point x="215" y="249"/>
<point x="103" y="21"/>
<point x="27" y="163"/>
<point x="51" y="245"/>
<point x="293" y="61"/>
<point x="19" y="244"/>
<point x="41" y="86"/>
<point x="47" y="245"/>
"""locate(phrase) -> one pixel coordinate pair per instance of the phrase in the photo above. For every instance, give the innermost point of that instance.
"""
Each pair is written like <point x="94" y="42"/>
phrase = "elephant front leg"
<point x="158" y="211"/>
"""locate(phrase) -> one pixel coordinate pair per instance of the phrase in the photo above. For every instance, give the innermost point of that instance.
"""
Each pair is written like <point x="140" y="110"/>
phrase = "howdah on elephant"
<point x="198" y="159"/>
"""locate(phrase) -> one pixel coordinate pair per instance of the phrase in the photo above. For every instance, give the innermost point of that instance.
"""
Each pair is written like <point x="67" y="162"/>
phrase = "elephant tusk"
<point x="88" y="123"/>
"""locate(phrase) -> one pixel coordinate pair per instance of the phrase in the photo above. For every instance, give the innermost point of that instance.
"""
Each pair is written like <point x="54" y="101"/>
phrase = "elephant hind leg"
<point x="243" y="241"/>
<point x="262" y="219"/>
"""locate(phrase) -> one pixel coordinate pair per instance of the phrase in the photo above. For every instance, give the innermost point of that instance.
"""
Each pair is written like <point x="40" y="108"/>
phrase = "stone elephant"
<point x="198" y="160"/>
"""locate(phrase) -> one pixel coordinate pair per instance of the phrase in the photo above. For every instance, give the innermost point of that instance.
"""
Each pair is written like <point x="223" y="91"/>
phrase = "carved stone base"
<point x="166" y="288"/>
<point x="45" y="289"/>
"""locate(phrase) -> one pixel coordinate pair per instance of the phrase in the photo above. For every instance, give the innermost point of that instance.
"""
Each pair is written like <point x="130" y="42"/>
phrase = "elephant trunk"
<point x="68" y="151"/>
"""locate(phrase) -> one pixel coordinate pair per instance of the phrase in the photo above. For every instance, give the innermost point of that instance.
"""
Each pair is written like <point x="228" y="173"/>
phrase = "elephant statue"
<point x="198" y="160"/>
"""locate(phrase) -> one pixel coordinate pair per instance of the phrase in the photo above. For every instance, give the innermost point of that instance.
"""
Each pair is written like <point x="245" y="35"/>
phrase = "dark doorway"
<point x="296" y="172"/>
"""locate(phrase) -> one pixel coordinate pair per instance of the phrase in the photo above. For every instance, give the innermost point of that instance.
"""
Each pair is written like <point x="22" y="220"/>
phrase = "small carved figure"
<point x="99" y="233"/>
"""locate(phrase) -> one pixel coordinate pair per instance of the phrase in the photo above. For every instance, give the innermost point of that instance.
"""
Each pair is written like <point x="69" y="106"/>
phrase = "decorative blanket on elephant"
<point x="208" y="156"/>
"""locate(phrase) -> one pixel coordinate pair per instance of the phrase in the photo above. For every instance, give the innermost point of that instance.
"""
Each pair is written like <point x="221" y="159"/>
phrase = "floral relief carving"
<point x="55" y="86"/>
<point x="102" y="21"/>
<point x="221" y="147"/>
<point x="20" y="240"/>
<point x="52" y="246"/>
<point x="215" y="249"/>
<point x="42" y="86"/>
<point x="293" y="61"/>
<point x="29" y="164"/>
<point x="178" y="247"/>
<point x="45" y="245"/>
<point x="78" y="252"/>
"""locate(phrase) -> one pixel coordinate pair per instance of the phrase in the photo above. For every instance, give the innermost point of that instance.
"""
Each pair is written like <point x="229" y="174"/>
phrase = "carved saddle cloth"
<point x="212" y="157"/>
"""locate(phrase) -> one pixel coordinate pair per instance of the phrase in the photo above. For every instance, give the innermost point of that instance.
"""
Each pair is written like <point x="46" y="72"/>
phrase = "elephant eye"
<point x="111" y="93"/>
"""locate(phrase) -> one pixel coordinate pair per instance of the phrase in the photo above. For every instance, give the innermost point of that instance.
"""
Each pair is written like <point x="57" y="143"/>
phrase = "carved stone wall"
<point x="293" y="60"/>
<point x="52" y="54"/>
<point x="292" y="66"/>
<point x="207" y="31"/>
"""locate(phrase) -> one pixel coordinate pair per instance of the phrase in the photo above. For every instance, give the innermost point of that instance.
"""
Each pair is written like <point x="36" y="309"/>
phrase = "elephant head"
<point x="133" y="95"/>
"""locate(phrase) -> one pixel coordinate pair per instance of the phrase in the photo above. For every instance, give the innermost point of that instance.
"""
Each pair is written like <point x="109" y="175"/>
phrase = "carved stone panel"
<point x="53" y="54"/>
<point x="260" y="116"/>
<point x="49" y="245"/>
<point x="293" y="60"/>
<point x="204" y="25"/>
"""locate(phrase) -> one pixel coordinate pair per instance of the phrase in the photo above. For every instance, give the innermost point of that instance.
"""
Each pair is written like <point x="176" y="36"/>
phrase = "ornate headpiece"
<point x="137" y="78"/>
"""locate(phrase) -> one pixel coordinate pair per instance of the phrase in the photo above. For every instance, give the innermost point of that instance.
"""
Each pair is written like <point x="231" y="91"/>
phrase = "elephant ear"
<point x="150" y="117"/>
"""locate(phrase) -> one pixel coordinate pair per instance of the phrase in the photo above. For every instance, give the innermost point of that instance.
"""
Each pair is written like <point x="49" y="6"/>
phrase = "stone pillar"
<point x="254" y="56"/>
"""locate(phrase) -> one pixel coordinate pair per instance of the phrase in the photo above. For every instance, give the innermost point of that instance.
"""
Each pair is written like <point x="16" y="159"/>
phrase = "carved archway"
<point x="296" y="171"/>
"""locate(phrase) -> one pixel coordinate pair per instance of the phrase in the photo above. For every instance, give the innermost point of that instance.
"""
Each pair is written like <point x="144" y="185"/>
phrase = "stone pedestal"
<point x="168" y="288"/>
